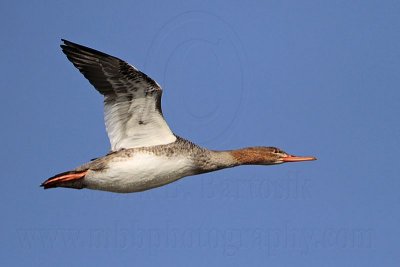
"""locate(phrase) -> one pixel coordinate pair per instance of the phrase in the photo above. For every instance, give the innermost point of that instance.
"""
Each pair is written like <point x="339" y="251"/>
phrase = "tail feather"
<point x="72" y="179"/>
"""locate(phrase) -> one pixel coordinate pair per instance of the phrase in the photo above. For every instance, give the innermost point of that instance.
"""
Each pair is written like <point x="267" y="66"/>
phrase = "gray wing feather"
<point x="132" y="100"/>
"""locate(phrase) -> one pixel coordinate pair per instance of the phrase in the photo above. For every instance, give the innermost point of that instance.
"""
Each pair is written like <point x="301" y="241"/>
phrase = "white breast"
<point x="140" y="172"/>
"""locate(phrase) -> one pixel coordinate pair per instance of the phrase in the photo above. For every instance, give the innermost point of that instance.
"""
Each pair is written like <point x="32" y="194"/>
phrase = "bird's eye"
<point x="275" y="150"/>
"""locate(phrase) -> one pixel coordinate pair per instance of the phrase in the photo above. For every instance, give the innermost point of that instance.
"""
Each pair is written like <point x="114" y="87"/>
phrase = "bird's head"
<point x="278" y="156"/>
<point x="265" y="156"/>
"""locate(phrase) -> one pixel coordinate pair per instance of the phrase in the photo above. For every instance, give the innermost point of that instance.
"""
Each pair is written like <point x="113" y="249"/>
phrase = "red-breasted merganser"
<point x="145" y="153"/>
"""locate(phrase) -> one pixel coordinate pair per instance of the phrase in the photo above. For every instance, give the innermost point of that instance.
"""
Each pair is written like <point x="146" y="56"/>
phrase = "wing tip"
<point x="68" y="47"/>
<point x="65" y="43"/>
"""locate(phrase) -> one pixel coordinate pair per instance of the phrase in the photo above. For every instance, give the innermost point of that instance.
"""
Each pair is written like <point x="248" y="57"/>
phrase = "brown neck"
<point x="252" y="156"/>
<point x="226" y="159"/>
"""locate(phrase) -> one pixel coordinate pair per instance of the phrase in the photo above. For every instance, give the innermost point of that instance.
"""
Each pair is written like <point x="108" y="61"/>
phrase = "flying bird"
<point x="145" y="153"/>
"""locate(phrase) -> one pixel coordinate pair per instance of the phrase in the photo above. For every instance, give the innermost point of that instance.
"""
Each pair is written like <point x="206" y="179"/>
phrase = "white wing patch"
<point x="129" y="130"/>
<point x="132" y="100"/>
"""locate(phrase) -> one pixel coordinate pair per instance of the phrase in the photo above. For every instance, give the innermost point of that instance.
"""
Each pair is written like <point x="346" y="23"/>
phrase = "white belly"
<point x="141" y="172"/>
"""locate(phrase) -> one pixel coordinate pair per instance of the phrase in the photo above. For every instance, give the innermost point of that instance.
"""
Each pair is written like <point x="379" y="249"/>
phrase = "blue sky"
<point x="311" y="77"/>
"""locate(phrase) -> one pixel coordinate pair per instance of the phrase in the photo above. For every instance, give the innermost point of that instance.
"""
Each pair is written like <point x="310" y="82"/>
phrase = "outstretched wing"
<point x="132" y="100"/>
